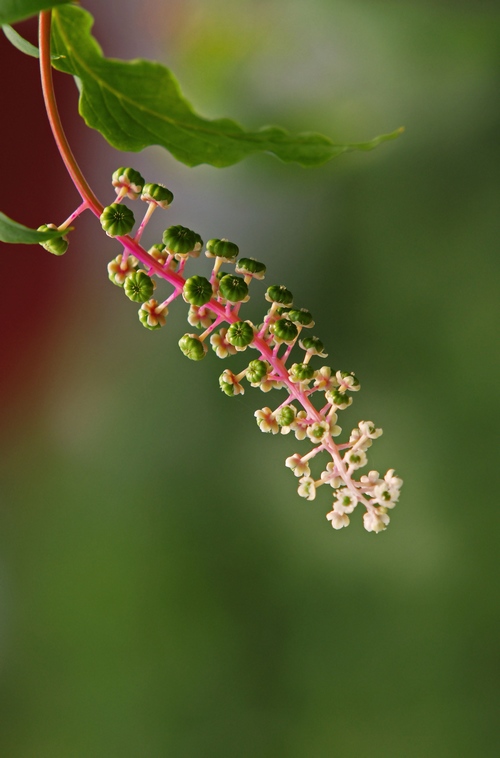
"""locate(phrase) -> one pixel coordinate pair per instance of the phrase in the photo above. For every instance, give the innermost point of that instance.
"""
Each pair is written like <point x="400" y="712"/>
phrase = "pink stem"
<point x="175" y="278"/>
<point x="82" y="207"/>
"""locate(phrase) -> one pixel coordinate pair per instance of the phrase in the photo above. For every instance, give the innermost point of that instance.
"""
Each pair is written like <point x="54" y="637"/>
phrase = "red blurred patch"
<point x="34" y="189"/>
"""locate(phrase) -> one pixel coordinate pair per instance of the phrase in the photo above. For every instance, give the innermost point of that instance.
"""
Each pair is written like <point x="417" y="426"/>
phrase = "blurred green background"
<point x="163" y="590"/>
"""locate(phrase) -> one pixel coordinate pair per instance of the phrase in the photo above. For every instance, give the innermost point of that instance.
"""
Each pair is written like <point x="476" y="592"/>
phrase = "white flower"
<point x="371" y="479"/>
<point x="359" y="440"/>
<point x="317" y="431"/>
<point x="375" y="520"/>
<point x="345" y="502"/>
<point x="324" y="379"/>
<point x="119" y="269"/>
<point x="269" y="384"/>
<point x="299" y="425"/>
<point x="369" y="429"/>
<point x="330" y="476"/>
<point x="200" y="316"/>
<point x="220" y="345"/>
<point x="298" y="466"/>
<point x="385" y="495"/>
<point x="307" y="488"/>
<point x="393" y="481"/>
<point x="355" y="459"/>
<point x="156" y="313"/>
<point x="338" y="519"/>
<point x="266" y="421"/>
<point x="348" y="382"/>
<point x="335" y="430"/>
<point x="229" y="378"/>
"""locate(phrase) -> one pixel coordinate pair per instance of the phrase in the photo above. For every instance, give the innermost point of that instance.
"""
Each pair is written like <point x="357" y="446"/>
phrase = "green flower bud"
<point x="129" y="179"/>
<point x="180" y="240"/>
<point x="225" y="386"/>
<point x="157" y="194"/>
<point x="197" y="290"/>
<point x="301" y="372"/>
<point x="240" y="334"/>
<point x="279" y="294"/>
<point x="284" y="330"/>
<point x="338" y="399"/>
<point x="257" y="370"/>
<point x="192" y="347"/>
<point x="313" y="345"/>
<point x="233" y="288"/>
<point x="138" y="286"/>
<point x="226" y="250"/>
<point x="57" y="246"/>
<point x="286" y="415"/>
<point x="210" y="251"/>
<point x="301" y="316"/>
<point x="117" y="220"/>
<point x="250" y="267"/>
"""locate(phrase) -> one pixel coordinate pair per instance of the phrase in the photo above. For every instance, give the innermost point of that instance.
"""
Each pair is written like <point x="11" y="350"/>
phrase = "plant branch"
<point x="55" y="122"/>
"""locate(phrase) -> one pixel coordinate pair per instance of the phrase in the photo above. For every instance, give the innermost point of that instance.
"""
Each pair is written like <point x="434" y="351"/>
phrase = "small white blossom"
<point x="324" y="379"/>
<point x="355" y="459"/>
<point x="317" y="431"/>
<point x="266" y="421"/>
<point x="385" y="495"/>
<point x="345" y="502"/>
<point x="307" y="488"/>
<point x="221" y="346"/>
<point x="200" y="316"/>
<point x="156" y="313"/>
<point x="359" y="440"/>
<point x="267" y="385"/>
<point x="230" y="378"/>
<point x="370" y="479"/>
<point x="335" y="430"/>
<point x="119" y="269"/>
<point x="299" y="425"/>
<point x="298" y="466"/>
<point x="348" y="382"/>
<point x="393" y="481"/>
<point x="375" y="520"/>
<point x="330" y="476"/>
<point x="369" y="429"/>
<point x="338" y="519"/>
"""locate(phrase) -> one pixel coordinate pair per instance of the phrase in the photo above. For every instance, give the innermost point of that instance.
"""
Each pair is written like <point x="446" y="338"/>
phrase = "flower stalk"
<point x="220" y="298"/>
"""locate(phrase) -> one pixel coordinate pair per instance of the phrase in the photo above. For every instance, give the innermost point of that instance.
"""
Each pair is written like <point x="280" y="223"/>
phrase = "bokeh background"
<point x="163" y="590"/>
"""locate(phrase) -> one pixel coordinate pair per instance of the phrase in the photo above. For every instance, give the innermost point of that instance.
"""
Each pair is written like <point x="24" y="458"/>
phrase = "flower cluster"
<point x="314" y="394"/>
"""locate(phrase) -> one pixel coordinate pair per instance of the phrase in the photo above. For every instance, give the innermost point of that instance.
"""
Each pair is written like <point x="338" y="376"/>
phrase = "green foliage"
<point x="138" y="103"/>
<point x="12" y="232"/>
<point x="16" y="10"/>
<point x="22" y="44"/>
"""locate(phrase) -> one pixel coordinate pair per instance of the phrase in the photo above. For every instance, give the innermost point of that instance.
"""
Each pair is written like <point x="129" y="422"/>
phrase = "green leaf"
<point x="16" y="10"/>
<point x="139" y="103"/>
<point x="12" y="232"/>
<point x="22" y="44"/>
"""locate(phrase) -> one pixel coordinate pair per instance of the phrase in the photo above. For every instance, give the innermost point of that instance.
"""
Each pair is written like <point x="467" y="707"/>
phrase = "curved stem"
<point x="55" y="122"/>
<point x="176" y="279"/>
